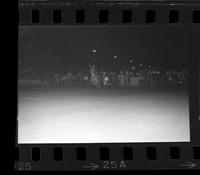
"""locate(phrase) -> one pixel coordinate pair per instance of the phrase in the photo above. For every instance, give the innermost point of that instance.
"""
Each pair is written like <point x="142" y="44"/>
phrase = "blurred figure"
<point x="85" y="79"/>
<point x="80" y="76"/>
<point x="56" y="79"/>
<point x="63" y="80"/>
<point x="105" y="79"/>
<point x="126" y="78"/>
<point x="48" y="78"/>
<point x="94" y="77"/>
<point x="121" y="78"/>
<point x="114" y="80"/>
<point x="69" y="78"/>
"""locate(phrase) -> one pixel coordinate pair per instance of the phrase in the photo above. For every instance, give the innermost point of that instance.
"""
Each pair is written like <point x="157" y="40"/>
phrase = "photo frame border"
<point x="140" y="150"/>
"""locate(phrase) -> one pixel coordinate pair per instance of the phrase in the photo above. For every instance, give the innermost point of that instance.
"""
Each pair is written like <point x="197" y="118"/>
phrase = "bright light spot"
<point x="94" y="50"/>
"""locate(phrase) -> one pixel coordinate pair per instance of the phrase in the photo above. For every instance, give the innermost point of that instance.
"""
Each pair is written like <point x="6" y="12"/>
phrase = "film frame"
<point x="119" y="156"/>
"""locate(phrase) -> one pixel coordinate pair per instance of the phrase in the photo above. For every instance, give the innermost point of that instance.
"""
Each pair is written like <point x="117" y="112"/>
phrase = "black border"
<point x="139" y="161"/>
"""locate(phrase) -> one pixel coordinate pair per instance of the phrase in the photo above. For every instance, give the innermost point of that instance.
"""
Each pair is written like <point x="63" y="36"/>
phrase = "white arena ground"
<point x="106" y="115"/>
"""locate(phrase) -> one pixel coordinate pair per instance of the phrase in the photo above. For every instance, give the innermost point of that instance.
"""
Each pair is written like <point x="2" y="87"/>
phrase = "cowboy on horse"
<point x="94" y="77"/>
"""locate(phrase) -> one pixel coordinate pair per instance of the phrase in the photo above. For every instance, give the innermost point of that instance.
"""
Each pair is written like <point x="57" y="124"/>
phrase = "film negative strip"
<point x="108" y="85"/>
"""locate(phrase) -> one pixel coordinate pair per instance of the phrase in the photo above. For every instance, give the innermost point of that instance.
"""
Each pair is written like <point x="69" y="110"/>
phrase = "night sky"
<point x="70" y="47"/>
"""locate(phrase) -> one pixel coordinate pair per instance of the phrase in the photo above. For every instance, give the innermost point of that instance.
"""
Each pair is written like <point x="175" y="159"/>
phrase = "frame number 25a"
<point x="113" y="164"/>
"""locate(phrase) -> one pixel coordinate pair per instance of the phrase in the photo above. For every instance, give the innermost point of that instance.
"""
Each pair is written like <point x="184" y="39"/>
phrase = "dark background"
<point x="69" y="48"/>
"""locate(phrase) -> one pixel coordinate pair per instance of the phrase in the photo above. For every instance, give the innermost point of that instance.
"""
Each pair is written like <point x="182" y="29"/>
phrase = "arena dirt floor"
<point x="89" y="115"/>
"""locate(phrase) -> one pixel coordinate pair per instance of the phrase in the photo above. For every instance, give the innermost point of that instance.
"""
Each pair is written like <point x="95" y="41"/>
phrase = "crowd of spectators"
<point x="135" y="76"/>
<point x="27" y="73"/>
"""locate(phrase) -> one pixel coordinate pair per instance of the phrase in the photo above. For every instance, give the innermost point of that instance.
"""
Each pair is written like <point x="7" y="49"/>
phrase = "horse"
<point x="95" y="80"/>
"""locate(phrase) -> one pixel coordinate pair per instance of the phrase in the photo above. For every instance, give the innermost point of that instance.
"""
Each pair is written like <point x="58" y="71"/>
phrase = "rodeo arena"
<point x="141" y="103"/>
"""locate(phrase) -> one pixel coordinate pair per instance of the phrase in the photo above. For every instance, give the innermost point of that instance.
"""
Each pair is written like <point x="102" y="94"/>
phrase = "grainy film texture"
<point x="97" y="84"/>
